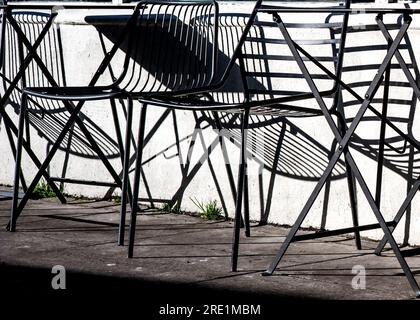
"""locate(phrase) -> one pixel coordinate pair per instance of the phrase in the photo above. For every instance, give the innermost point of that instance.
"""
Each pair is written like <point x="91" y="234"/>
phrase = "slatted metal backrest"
<point x="365" y="50"/>
<point x="366" y="47"/>
<point x="271" y="70"/>
<point x="50" y="52"/>
<point x="231" y="27"/>
<point x="170" y="48"/>
<point x="47" y="117"/>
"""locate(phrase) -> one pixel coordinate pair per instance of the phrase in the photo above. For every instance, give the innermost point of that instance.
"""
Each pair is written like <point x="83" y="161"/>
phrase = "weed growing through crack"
<point x="209" y="210"/>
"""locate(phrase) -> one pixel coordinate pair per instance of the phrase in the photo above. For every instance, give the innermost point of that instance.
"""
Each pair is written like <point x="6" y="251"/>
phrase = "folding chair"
<point x="344" y="136"/>
<point x="265" y="98"/>
<point x="397" y="102"/>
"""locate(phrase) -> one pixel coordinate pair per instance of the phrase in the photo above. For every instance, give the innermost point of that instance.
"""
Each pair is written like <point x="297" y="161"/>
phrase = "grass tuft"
<point x="43" y="190"/>
<point x="209" y="210"/>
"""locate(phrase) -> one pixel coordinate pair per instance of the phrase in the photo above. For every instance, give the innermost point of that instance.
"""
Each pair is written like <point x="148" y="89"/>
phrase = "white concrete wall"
<point x="82" y="53"/>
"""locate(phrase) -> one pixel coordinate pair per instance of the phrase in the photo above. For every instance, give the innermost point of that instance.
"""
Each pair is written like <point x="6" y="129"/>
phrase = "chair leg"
<point x="239" y="190"/>
<point x="246" y="206"/>
<point x="411" y="192"/>
<point x="351" y="183"/>
<point x="138" y="168"/>
<point x="22" y="116"/>
<point x="409" y="185"/>
<point x="126" y="178"/>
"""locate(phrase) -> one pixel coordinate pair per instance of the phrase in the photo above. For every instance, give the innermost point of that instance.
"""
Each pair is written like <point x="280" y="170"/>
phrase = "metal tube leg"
<point x="353" y="204"/>
<point x="66" y="158"/>
<point x="327" y="191"/>
<point x="351" y="184"/>
<point x="246" y="205"/>
<point x="225" y="156"/>
<point x="126" y="166"/>
<point x="409" y="186"/>
<point x="22" y="116"/>
<point x="388" y="233"/>
<point x="303" y="214"/>
<point x="138" y="168"/>
<point x="399" y="214"/>
<point x="239" y="194"/>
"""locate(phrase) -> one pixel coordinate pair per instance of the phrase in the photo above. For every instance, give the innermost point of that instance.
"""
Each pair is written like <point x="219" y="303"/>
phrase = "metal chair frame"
<point x="341" y="132"/>
<point x="73" y="119"/>
<point x="344" y="139"/>
<point x="387" y="151"/>
<point x="113" y="91"/>
<point x="8" y="123"/>
<point x="186" y="101"/>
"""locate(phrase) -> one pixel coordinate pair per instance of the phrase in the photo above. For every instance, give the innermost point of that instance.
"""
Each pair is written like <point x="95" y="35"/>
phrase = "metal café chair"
<point x="61" y="122"/>
<point x="46" y="116"/>
<point x="276" y="158"/>
<point x="10" y="85"/>
<point x="145" y="21"/>
<point x="263" y="99"/>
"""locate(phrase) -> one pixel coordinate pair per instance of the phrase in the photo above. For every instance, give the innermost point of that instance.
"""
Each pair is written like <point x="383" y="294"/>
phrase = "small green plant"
<point x="209" y="210"/>
<point x="170" y="207"/>
<point x="43" y="190"/>
<point x="116" y="198"/>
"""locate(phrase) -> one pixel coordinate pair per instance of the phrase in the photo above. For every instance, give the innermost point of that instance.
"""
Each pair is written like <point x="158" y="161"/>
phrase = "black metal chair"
<point x="398" y="102"/>
<point x="47" y="117"/>
<point x="264" y="92"/>
<point x="283" y="140"/>
<point x="147" y="27"/>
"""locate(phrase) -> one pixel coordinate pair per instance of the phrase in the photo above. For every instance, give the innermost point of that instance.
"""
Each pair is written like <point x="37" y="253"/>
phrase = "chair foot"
<point x="358" y="244"/>
<point x="10" y="228"/>
<point x="247" y="233"/>
<point x="418" y="294"/>
<point x="266" y="273"/>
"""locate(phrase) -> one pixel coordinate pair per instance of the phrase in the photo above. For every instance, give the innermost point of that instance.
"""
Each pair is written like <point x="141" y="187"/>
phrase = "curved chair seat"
<point x="265" y="108"/>
<point x="74" y="93"/>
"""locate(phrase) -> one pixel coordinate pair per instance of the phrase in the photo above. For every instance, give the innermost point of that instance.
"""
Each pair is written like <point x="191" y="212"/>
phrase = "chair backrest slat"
<point x="50" y="52"/>
<point x="366" y="47"/>
<point x="271" y="70"/>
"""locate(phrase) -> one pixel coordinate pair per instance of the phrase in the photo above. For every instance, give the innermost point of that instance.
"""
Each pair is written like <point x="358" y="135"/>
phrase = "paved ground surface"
<point x="180" y="258"/>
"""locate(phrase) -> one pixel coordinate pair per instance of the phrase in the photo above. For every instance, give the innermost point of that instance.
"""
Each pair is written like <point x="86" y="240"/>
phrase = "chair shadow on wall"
<point x="284" y="139"/>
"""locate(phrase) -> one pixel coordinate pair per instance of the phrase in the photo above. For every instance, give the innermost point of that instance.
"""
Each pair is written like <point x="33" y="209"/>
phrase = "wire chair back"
<point x="172" y="47"/>
<point x="47" y="117"/>
<point x="270" y="70"/>
<point x="50" y="52"/>
<point x="363" y="54"/>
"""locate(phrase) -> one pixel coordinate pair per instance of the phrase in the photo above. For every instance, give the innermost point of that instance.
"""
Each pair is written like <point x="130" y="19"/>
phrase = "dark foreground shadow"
<point x="27" y="290"/>
<point x="33" y="284"/>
